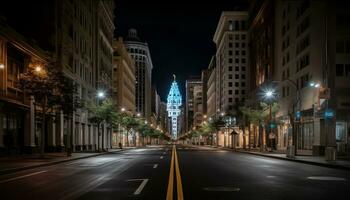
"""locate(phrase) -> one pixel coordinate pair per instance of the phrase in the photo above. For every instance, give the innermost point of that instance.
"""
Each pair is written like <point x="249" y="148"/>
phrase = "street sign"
<point x="297" y="116"/>
<point x="329" y="114"/>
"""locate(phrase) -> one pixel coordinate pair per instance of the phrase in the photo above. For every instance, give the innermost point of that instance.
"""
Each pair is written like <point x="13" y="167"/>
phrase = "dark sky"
<point x="178" y="33"/>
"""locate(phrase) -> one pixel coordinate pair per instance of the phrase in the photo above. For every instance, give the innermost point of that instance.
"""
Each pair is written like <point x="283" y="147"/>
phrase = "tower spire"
<point x="174" y="77"/>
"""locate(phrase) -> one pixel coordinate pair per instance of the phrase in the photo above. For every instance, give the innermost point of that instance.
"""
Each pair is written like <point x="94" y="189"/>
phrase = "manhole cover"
<point x="326" y="178"/>
<point x="222" y="189"/>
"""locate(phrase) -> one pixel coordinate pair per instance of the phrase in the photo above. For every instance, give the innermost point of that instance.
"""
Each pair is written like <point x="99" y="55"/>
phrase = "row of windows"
<point x="237" y="44"/>
<point x="285" y="91"/>
<point x="237" y="53"/>
<point x="243" y="60"/>
<point x="230" y="84"/>
<point x="303" y="62"/>
<point x="237" y="37"/>
<point x="343" y="46"/>
<point x="135" y="50"/>
<point x="342" y="70"/>
<point x="303" y="26"/>
<point x="237" y="25"/>
<point x="236" y="101"/>
<point x="236" y="92"/>
<point x="230" y="76"/>
<point x="230" y="68"/>
<point x="303" y="44"/>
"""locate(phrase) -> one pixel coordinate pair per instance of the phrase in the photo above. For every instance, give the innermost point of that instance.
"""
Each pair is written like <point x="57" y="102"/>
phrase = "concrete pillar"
<point x="1" y="129"/>
<point x="51" y="135"/>
<point x="31" y="138"/>
<point x="59" y="129"/>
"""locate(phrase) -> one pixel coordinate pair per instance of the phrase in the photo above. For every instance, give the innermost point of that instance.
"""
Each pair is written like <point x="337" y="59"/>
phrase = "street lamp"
<point x="122" y="109"/>
<point x="101" y="94"/>
<point x="2" y="66"/>
<point x="269" y="95"/>
<point x="38" y="69"/>
<point x="138" y="114"/>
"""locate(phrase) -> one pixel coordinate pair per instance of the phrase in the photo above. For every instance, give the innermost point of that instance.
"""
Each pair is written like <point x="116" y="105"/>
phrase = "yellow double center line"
<point x="174" y="162"/>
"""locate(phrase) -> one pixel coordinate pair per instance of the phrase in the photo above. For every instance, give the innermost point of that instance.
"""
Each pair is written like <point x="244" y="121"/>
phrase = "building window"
<point x="243" y="36"/>
<point x="230" y="53"/>
<point x="236" y="60"/>
<point x="236" y="68"/>
<point x="230" y="92"/>
<point x="230" y="84"/>
<point x="243" y="45"/>
<point x="230" y="76"/>
<point x="243" y="91"/>
<point x="236" y="84"/>
<point x="236" y="100"/>
<point x="243" y="84"/>
<point x="229" y="99"/>
<point x="243" y="60"/>
<point x="237" y="53"/>
<point x="230" y="60"/>
<point x="230" y="44"/>
<point x="243" y="68"/>
<point x="230" y="68"/>
<point x="339" y="70"/>
<point x="237" y="45"/>
<point x="236" y="37"/>
<point x="243" y="53"/>
<point x="237" y="76"/>
<point x="243" y="76"/>
<point x="236" y="91"/>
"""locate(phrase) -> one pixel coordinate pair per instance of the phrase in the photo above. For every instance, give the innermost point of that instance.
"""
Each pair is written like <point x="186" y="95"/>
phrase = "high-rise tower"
<point x="173" y="107"/>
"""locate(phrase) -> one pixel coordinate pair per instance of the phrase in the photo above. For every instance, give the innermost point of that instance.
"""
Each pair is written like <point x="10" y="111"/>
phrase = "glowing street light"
<point x="38" y="69"/>
<point x="146" y="122"/>
<point x="122" y="109"/>
<point x="2" y="66"/>
<point x="138" y="114"/>
<point x="222" y="114"/>
<point x="101" y="94"/>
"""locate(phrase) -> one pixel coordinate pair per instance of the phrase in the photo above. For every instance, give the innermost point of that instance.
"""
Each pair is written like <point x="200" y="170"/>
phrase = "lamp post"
<point x="100" y="96"/>
<point x="269" y="96"/>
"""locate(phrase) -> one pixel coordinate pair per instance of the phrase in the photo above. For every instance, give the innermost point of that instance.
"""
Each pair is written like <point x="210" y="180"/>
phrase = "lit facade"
<point x="173" y="107"/>
<point x="139" y="51"/>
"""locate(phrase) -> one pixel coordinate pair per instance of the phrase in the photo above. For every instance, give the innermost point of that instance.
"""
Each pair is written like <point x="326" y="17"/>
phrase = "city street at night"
<point x="206" y="173"/>
<point x="174" y="100"/>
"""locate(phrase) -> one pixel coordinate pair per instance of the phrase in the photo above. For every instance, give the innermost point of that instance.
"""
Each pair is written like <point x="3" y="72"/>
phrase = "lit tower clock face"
<point x="173" y="106"/>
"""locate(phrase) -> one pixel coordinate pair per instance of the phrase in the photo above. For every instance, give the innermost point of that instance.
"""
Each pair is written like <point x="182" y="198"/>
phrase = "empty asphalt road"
<point x="184" y="172"/>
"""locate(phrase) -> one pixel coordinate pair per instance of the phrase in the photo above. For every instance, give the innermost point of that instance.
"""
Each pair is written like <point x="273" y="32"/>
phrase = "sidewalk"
<point x="18" y="163"/>
<point x="340" y="163"/>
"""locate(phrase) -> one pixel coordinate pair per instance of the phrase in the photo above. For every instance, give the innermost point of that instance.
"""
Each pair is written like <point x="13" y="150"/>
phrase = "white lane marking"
<point x="161" y="157"/>
<point x="155" y="166"/>
<point x="20" y="177"/>
<point x="326" y="178"/>
<point x="271" y="176"/>
<point x="222" y="189"/>
<point x="142" y="185"/>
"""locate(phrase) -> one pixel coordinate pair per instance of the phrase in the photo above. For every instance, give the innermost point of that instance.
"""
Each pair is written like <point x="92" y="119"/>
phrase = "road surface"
<point x="184" y="172"/>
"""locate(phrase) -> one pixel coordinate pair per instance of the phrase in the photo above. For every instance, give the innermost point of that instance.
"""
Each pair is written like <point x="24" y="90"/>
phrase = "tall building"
<point x="262" y="65"/>
<point x="139" y="51"/>
<point x="211" y="92"/>
<point x="231" y="39"/>
<point x="313" y="69"/>
<point x="197" y="106"/>
<point x="18" y="133"/>
<point x="123" y="77"/>
<point x="204" y="78"/>
<point x="78" y="35"/>
<point x="189" y="109"/>
<point x="174" y="102"/>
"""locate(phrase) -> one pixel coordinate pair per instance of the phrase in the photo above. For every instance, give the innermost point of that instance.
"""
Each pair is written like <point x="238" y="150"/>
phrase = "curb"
<point x="329" y="165"/>
<point x="299" y="161"/>
<point x="13" y="170"/>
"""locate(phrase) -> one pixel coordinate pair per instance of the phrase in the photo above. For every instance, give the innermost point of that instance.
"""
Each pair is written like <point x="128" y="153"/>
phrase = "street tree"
<point x="52" y="91"/>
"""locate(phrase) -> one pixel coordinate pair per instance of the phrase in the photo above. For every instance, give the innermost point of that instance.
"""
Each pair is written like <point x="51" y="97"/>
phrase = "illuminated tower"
<point x="173" y="107"/>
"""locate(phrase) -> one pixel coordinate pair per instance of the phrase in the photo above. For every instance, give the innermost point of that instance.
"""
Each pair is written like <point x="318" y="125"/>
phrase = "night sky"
<point x="179" y="35"/>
